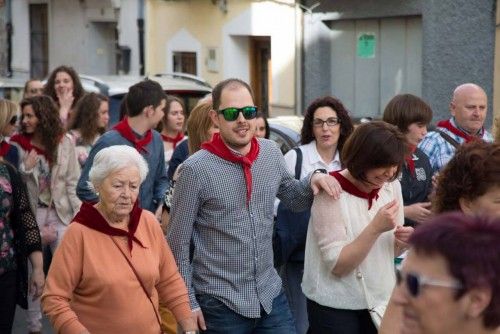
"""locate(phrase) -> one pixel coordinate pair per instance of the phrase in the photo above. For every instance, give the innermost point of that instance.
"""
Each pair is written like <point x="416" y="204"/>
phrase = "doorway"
<point x="260" y="71"/>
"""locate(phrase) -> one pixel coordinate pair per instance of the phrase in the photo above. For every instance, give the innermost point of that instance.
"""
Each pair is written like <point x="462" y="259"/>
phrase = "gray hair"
<point x="114" y="158"/>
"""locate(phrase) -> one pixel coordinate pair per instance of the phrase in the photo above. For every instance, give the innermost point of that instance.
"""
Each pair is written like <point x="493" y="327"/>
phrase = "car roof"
<point x="173" y="83"/>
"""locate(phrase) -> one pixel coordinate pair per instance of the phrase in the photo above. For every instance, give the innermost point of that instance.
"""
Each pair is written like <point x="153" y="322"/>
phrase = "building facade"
<point x="366" y="51"/>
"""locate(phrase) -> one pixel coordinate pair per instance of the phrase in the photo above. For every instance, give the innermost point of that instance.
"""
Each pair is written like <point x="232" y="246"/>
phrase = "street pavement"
<point x="20" y="323"/>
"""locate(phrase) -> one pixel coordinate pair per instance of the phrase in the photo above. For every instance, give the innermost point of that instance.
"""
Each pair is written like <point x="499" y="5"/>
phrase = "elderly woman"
<point x="352" y="241"/>
<point x="113" y="265"/>
<point x="449" y="282"/>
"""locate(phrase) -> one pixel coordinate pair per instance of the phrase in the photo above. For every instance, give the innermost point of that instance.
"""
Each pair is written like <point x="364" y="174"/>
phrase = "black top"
<point x="26" y="232"/>
<point x="416" y="188"/>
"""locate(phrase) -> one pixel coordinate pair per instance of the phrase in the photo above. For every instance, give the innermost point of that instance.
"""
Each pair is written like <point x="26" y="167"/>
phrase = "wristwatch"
<point x="191" y="332"/>
<point x="320" y="170"/>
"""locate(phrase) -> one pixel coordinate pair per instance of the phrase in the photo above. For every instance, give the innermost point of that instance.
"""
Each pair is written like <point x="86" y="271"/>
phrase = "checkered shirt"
<point x="439" y="150"/>
<point x="233" y="254"/>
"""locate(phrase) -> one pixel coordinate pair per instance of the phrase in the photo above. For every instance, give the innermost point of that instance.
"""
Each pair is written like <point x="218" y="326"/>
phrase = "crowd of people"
<point x="167" y="221"/>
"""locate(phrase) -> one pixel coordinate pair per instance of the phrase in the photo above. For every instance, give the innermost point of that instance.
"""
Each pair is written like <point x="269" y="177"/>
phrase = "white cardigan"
<point x="334" y="224"/>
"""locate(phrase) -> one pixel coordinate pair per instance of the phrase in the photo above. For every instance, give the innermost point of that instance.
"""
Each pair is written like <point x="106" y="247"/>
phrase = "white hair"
<point x="114" y="158"/>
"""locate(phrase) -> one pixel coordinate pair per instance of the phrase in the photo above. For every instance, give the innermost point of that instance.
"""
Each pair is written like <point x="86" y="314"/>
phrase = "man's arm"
<point x="184" y="210"/>
<point x="161" y="179"/>
<point x="83" y="189"/>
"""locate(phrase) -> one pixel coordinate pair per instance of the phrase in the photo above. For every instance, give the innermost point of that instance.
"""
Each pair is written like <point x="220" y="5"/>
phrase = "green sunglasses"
<point x="231" y="114"/>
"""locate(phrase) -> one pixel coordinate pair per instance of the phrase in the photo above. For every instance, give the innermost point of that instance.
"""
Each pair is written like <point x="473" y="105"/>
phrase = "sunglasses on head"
<point x="414" y="282"/>
<point x="232" y="113"/>
<point x="13" y="120"/>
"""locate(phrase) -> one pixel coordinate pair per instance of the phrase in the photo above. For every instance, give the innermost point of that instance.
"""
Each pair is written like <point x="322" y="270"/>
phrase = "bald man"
<point x="468" y="109"/>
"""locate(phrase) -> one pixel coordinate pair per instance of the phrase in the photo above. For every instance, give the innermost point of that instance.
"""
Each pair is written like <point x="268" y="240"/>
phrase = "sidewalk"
<point x="20" y="323"/>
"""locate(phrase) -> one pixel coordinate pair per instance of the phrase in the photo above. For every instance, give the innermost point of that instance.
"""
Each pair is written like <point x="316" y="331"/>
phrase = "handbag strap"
<point x="298" y="162"/>
<point x="139" y="279"/>
<point x="449" y="139"/>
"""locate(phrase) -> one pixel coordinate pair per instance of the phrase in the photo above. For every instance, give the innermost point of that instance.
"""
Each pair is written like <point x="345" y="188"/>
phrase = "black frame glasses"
<point x="231" y="114"/>
<point x="330" y="121"/>
<point x="414" y="282"/>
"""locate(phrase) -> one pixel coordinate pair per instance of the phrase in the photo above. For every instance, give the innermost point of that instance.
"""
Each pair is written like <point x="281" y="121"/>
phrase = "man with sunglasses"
<point x="449" y="282"/>
<point x="223" y="203"/>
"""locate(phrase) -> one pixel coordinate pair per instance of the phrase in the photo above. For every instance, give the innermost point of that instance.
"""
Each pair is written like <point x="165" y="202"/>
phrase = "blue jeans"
<point x="221" y="319"/>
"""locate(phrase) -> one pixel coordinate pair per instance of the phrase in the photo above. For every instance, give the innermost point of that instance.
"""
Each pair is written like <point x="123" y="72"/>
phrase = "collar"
<point x="92" y="218"/>
<point x="350" y="188"/>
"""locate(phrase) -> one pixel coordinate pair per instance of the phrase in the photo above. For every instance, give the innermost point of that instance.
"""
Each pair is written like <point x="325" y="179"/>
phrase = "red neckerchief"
<point x="353" y="190"/>
<point x="216" y="146"/>
<point x="409" y="160"/>
<point x="126" y="131"/>
<point x="92" y="218"/>
<point x="24" y="141"/>
<point x="174" y="140"/>
<point x="4" y="148"/>
<point x="453" y="129"/>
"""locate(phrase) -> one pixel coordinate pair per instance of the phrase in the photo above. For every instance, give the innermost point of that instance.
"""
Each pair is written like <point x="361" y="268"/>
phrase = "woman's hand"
<point x="36" y="283"/>
<point x="65" y="98"/>
<point x="193" y="323"/>
<point x="418" y="212"/>
<point x="386" y="217"/>
<point x="402" y="234"/>
<point x="30" y="160"/>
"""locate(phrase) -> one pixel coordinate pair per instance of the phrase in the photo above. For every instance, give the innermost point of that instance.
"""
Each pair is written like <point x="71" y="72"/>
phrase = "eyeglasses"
<point x="414" y="282"/>
<point x="330" y="121"/>
<point x="13" y="120"/>
<point x="232" y="113"/>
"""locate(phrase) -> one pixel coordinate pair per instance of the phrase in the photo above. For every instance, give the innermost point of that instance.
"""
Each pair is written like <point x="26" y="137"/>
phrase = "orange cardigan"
<point x="91" y="286"/>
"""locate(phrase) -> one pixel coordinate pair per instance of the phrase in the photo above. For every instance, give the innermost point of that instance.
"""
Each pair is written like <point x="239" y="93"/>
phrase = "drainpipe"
<point x="8" y="28"/>
<point x="140" y="29"/>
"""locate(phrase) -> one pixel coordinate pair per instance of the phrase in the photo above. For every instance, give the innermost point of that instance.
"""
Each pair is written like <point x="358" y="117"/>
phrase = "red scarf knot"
<point x="92" y="218"/>
<point x="349" y="187"/>
<point x="126" y="131"/>
<point x="4" y="148"/>
<point x="24" y="140"/>
<point x="174" y="140"/>
<point x="409" y="160"/>
<point x="218" y="147"/>
<point x="462" y="134"/>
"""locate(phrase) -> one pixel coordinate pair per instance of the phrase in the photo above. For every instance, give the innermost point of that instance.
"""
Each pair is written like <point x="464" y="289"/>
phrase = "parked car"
<point x="285" y="131"/>
<point x="189" y="88"/>
<point x="11" y="89"/>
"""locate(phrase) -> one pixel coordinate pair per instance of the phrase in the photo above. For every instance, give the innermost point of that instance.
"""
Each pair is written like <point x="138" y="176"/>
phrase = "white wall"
<point x="128" y="34"/>
<point x="183" y="41"/>
<point x="20" y="39"/>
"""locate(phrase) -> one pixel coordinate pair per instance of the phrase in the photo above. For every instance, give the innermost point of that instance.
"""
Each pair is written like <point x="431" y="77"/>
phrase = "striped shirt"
<point x="439" y="150"/>
<point x="233" y="255"/>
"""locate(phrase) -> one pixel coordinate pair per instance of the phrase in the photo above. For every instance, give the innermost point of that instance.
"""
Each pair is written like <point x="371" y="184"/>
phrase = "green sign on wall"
<point x="366" y="45"/>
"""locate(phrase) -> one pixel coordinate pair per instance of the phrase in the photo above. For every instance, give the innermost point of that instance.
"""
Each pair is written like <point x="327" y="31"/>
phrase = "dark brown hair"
<point x="87" y="115"/>
<point x="233" y="82"/>
<point x="473" y="170"/>
<point x="373" y="145"/>
<point x="50" y="87"/>
<point x="406" y="109"/>
<point x="170" y="99"/>
<point x="346" y="126"/>
<point x="49" y="126"/>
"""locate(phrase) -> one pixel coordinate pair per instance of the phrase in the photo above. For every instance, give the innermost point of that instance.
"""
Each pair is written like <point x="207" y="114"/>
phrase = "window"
<point x="185" y="62"/>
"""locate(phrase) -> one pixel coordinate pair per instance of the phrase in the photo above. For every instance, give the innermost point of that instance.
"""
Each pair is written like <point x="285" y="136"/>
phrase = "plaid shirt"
<point x="233" y="255"/>
<point x="439" y="150"/>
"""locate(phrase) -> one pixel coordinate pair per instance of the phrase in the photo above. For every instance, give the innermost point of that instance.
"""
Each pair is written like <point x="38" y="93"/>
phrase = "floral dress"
<point x="7" y="254"/>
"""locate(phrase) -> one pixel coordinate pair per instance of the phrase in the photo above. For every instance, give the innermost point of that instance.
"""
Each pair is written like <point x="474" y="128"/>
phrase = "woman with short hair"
<point x="114" y="258"/>
<point x="352" y="242"/>
<point x="412" y="116"/>
<point x="449" y="281"/>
